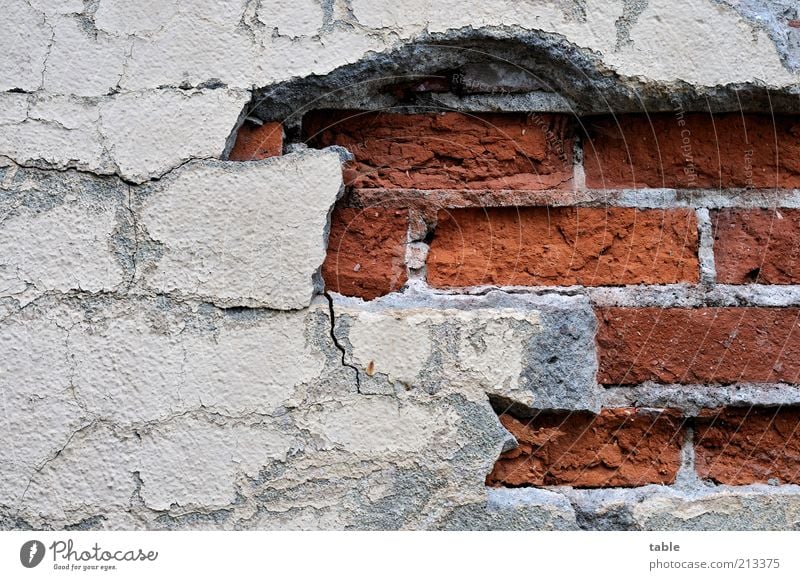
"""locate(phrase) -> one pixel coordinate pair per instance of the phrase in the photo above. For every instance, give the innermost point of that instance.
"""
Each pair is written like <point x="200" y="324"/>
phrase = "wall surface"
<point x="350" y="264"/>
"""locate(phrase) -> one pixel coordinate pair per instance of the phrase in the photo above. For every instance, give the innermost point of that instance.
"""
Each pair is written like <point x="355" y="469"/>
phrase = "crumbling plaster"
<point x="142" y="390"/>
<point x="136" y="89"/>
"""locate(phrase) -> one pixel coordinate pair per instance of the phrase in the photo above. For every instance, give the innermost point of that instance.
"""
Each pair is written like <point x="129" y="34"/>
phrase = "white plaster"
<point x="67" y="247"/>
<point x="293" y="19"/>
<point x="244" y="233"/>
<point x="152" y="132"/>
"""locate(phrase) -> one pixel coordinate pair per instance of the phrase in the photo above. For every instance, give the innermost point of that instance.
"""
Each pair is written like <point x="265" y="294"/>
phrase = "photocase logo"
<point x="31" y="553"/>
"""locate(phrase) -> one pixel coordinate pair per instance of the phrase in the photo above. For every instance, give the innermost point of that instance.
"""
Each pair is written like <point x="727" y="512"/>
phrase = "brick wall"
<point x="609" y="300"/>
<point x="680" y="227"/>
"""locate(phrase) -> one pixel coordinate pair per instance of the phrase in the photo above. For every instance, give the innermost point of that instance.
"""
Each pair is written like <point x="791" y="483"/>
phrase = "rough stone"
<point x="197" y="463"/>
<point x="144" y="18"/>
<point x="188" y="45"/>
<point x="295" y="19"/>
<point x="55" y="131"/>
<point x="40" y="411"/>
<point x="95" y="61"/>
<point x="162" y="366"/>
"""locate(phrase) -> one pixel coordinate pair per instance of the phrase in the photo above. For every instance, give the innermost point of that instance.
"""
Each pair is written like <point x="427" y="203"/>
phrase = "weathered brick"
<point x="563" y="246"/>
<point x="449" y="150"/>
<point x="702" y="345"/>
<point x="757" y="246"/>
<point x="740" y="446"/>
<point x="255" y="142"/>
<point x="366" y="252"/>
<point x="693" y="150"/>
<point x="618" y="447"/>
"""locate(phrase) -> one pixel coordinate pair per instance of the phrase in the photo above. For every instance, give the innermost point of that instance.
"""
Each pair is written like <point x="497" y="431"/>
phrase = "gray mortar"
<point x="560" y="365"/>
<point x="631" y="10"/>
<point x="691" y="399"/>
<point x="650" y="198"/>
<point x="686" y="296"/>
<point x="687" y="477"/>
<point x="773" y="16"/>
<point x="705" y="249"/>
<point x="757" y="507"/>
<point x="513" y="509"/>
<point x="87" y="524"/>
<point x="538" y="101"/>
<point x="663" y="296"/>
<point x="654" y="507"/>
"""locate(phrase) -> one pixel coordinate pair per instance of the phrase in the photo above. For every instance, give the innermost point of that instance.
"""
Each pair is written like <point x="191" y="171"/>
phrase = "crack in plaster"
<point x="338" y="345"/>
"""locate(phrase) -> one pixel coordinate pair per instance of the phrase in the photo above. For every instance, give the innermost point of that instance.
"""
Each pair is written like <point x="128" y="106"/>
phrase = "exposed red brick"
<point x="726" y="150"/>
<point x="449" y="150"/>
<point x="702" y="345"/>
<point x="257" y="142"/>
<point x="794" y="23"/>
<point x="366" y="252"/>
<point x="760" y="245"/>
<point x="563" y="246"/>
<point x="618" y="447"/>
<point x="740" y="446"/>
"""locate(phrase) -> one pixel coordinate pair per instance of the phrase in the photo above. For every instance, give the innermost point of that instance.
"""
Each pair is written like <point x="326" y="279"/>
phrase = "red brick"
<point x="618" y="447"/>
<point x="726" y="150"/>
<point x="757" y="246"/>
<point x="540" y="246"/>
<point x="366" y="252"/>
<point x="449" y="150"/>
<point x="701" y="345"/>
<point x="740" y="446"/>
<point x="255" y="142"/>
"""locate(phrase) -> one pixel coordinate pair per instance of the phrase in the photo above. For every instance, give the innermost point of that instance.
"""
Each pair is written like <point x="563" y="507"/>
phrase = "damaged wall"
<point x="234" y="296"/>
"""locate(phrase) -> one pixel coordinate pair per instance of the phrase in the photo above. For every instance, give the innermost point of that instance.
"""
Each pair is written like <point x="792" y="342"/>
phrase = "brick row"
<point x="563" y="246"/>
<point x="698" y="345"/>
<point x="629" y="447"/>
<point x="449" y="150"/>
<point x="692" y="150"/>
